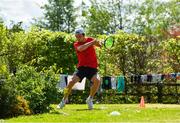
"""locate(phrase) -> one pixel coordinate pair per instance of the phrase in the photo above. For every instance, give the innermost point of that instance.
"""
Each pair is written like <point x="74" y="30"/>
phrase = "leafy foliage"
<point x="37" y="88"/>
<point x="36" y="56"/>
<point x="150" y="17"/>
<point x="94" y="25"/>
<point x="7" y="97"/>
<point x="130" y="54"/>
<point x="28" y="92"/>
<point x="59" y="16"/>
<point x="171" y="55"/>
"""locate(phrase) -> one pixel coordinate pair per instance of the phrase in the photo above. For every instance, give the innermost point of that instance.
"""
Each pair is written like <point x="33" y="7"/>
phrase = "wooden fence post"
<point x="160" y="86"/>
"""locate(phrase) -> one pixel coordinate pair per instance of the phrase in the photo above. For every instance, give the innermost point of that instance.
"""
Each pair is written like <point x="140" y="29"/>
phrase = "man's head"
<point x="79" y="33"/>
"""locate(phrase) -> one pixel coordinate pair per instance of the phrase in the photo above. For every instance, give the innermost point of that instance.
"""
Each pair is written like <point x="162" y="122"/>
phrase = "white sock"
<point x="64" y="100"/>
<point x="90" y="97"/>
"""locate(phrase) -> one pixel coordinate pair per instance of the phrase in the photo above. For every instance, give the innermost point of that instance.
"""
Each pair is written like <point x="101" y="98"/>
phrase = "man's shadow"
<point x="88" y="109"/>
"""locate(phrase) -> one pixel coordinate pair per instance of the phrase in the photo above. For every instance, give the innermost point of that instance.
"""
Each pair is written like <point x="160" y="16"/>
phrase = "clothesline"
<point x="150" y="77"/>
<point x="118" y="82"/>
<point x="154" y="77"/>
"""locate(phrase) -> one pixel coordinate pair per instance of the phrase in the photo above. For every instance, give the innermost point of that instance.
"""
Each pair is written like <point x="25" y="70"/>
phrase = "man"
<point x="87" y="67"/>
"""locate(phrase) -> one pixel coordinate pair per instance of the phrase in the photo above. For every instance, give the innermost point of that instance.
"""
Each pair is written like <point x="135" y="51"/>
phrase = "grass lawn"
<point x="129" y="113"/>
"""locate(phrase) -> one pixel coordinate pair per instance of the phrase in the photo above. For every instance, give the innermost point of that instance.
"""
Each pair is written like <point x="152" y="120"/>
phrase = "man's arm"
<point x="98" y="44"/>
<point x="88" y="44"/>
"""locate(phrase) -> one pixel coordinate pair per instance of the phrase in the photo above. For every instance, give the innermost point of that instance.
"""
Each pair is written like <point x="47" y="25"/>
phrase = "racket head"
<point x="109" y="42"/>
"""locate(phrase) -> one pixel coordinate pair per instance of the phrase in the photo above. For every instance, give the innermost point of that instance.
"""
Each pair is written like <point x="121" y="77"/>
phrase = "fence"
<point x="155" y="92"/>
<point x="167" y="93"/>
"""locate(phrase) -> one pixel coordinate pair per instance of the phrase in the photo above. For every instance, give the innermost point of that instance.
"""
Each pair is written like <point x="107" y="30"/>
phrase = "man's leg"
<point x="95" y="85"/>
<point x="94" y="88"/>
<point x="68" y="89"/>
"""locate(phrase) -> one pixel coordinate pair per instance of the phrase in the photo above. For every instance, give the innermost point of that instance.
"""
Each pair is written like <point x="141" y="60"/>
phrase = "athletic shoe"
<point x="61" y="104"/>
<point x="89" y="102"/>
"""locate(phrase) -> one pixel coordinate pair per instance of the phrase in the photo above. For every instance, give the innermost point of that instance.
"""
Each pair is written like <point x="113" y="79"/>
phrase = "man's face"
<point x="79" y="37"/>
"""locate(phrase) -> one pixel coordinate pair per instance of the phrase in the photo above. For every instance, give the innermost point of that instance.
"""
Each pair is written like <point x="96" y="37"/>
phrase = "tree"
<point x="102" y="17"/>
<point x="1" y="20"/>
<point x="150" y="17"/>
<point x="59" y="16"/>
<point x="171" y="55"/>
<point x="3" y="47"/>
<point x="99" y="21"/>
<point x="16" y="27"/>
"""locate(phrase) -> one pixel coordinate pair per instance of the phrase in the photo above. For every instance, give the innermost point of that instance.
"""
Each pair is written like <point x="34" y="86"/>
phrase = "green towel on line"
<point x="120" y="84"/>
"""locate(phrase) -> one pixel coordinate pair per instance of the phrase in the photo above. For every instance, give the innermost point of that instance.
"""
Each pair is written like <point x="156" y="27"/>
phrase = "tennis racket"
<point x="109" y="42"/>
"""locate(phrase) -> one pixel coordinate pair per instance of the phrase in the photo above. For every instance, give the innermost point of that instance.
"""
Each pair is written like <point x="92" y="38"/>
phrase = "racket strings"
<point x="109" y="42"/>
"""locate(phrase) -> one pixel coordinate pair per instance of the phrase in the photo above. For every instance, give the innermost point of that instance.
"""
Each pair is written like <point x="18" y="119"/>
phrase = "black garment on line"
<point x="66" y="80"/>
<point x="137" y="79"/>
<point x="106" y="84"/>
<point x="149" y="78"/>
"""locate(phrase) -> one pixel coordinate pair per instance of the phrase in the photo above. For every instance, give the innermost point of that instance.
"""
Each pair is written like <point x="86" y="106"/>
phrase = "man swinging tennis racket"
<point x="86" y="67"/>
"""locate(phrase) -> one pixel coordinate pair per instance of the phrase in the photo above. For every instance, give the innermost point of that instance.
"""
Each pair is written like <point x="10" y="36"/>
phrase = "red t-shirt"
<point x="86" y="58"/>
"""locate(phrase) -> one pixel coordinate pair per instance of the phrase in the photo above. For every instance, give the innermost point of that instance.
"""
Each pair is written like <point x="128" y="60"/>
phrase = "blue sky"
<point x="23" y="10"/>
<point x="20" y="10"/>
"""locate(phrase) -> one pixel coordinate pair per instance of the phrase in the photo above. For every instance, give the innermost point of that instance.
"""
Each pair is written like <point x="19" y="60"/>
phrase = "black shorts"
<point x="85" y="72"/>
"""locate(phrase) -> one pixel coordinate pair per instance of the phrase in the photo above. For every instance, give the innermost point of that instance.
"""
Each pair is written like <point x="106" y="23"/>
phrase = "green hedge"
<point x="35" y="90"/>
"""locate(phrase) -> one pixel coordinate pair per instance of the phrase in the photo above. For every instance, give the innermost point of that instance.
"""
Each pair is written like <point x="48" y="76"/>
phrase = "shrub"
<point x="21" y="107"/>
<point x="7" y="99"/>
<point x="39" y="89"/>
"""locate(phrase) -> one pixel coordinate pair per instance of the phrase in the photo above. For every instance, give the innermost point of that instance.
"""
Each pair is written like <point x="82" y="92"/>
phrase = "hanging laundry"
<point x="63" y="81"/>
<point x="137" y="79"/>
<point x="132" y="78"/>
<point x="154" y="78"/>
<point x="173" y="75"/>
<point x="178" y="76"/>
<point x="78" y="85"/>
<point x="158" y="78"/>
<point x="162" y="77"/>
<point x="120" y="84"/>
<point x="149" y="78"/>
<point x="114" y="82"/>
<point x="106" y="82"/>
<point x="144" y="78"/>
